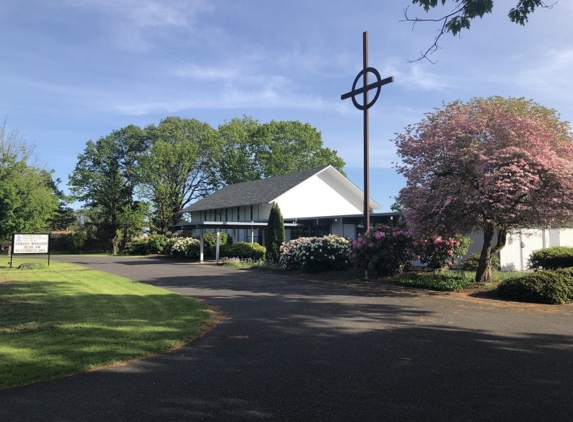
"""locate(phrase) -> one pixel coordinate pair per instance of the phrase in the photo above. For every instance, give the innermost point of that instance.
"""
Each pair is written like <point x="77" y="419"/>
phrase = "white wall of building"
<point x="316" y="197"/>
<point x="521" y="244"/>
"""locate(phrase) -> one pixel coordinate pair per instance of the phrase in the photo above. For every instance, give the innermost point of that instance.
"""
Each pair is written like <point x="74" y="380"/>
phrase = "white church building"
<point x="322" y="201"/>
<point x="313" y="203"/>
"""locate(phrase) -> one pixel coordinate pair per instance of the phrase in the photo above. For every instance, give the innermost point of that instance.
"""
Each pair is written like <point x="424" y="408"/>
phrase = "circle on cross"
<point x="359" y="91"/>
<point x="378" y="85"/>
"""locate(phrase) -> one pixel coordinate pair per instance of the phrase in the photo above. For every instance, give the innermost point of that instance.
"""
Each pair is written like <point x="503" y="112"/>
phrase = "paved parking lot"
<point x="292" y="349"/>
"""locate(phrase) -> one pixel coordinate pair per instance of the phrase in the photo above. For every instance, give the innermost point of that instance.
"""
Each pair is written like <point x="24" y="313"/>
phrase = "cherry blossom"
<point x="491" y="165"/>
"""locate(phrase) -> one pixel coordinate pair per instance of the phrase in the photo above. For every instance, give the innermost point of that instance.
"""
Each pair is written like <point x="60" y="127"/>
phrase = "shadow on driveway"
<point x="290" y="349"/>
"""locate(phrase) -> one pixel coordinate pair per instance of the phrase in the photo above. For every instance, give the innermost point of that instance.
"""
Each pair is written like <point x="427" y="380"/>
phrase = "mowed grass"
<point x="64" y="319"/>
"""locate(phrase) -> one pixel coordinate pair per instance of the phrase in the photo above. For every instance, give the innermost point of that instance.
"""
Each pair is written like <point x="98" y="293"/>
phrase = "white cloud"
<point x="550" y="74"/>
<point x="233" y="98"/>
<point x="133" y="22"/>
<point x="414" y="76"/>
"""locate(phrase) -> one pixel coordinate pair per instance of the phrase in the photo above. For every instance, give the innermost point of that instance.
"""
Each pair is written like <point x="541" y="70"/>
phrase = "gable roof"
<point x="260" y="191"/>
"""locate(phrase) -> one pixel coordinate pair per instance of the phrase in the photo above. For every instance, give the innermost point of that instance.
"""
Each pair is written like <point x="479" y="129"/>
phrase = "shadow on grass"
<point x="299" y="371"/>
<point x="293" y="349"/>
<point x="48" y="330"/>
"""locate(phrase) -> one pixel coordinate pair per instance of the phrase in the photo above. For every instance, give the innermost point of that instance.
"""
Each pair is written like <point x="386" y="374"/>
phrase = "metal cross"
<point x="364" y="107"/>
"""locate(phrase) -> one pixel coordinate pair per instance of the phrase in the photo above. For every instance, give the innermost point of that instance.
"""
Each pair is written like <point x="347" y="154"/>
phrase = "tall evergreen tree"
<point x="275" y="234"/>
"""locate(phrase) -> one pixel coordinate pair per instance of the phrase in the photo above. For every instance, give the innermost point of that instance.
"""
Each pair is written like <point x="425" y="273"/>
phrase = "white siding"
<point x="265" y="210"/>
<point x="337" y="227"/>
<point x="515" y="255"/>
<point x="565" y="237"/>
<point x="349" y="231"/>
<point x="521" y="244"/>
<point x="318" y="197"/>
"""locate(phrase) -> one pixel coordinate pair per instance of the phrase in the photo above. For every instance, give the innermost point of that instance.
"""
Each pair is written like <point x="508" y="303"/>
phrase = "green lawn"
<point x="450" y="280"/>
<point x="65" y="318"/>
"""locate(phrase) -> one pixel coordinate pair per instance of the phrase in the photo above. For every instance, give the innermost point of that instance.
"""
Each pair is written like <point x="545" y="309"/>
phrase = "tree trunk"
<point x="501" y="240"/>
<point x="483" y="273"/>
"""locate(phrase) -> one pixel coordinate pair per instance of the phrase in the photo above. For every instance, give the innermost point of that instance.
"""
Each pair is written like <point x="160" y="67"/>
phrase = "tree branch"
<point x="462" y="15"/>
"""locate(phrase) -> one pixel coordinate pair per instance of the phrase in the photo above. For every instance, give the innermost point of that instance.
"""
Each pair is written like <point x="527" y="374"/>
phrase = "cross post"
<point x="365" y="106"/>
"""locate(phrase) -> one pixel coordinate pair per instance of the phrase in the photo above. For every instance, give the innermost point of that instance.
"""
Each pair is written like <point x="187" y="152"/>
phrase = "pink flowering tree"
<point x="491" y="165"/>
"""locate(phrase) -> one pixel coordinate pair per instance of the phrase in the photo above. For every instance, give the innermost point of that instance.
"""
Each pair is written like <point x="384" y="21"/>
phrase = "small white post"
<point x="217" y="246"/>
<point x="201" y="245"/>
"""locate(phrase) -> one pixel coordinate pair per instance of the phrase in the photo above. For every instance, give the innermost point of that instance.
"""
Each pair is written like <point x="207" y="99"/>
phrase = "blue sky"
<point x="75" y="70"/>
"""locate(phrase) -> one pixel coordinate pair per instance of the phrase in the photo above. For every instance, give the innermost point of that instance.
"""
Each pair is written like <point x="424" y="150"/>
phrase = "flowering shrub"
<point x="185" y="247"/>
<point x="382" y="250"/>
<point x="315" y="254"/>
<point x="439" y="252"/>
<point x="288" y="257"/>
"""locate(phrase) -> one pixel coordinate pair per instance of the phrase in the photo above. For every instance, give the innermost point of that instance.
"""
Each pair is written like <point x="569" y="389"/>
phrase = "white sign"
<point x="31" y="243"/>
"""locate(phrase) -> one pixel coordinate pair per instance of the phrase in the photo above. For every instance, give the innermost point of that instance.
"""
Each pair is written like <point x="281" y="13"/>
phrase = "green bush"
<point x="551" y="258"/>
<point x="157" y="244"/>
<point x="193" y="249"/>
<point x="471" y="263"/>
<point x="153" y="244"/>
<point x="71" y="242"/>
<point x="243" y="250"/>
<point x="544" y="286"/>
<point x="448" y="282"/>
<point x="210" y="242"/>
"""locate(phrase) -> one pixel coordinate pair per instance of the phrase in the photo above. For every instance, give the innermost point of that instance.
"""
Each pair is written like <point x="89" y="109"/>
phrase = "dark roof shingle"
<point x="250" y="193"/>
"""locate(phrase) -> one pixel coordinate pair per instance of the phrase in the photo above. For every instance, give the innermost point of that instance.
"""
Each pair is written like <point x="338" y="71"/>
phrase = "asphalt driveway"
<point x="294" y="349"/>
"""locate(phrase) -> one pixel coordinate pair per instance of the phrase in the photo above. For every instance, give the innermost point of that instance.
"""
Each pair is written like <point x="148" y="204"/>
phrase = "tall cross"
<point x="366" y="104"/>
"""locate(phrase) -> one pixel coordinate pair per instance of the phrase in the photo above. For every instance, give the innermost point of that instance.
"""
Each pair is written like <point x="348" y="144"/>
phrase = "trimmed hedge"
<point x="551" y="258"/>
<point x="544" y="286"/>
<point x="243" y="250"/>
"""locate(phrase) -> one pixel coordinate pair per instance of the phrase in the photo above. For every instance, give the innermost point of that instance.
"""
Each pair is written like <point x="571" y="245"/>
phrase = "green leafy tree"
<point x="106" y="177"/>
<point x="27" y="203"/>
<point x="274" y="234"/>
<point x="178" y="168"/>
<point x="27" y="200"/>
<point x="86" y="222"/>
<point x="463" y="12"/>
<point x="238" y="154"/>
<point x="251" y="151"/>
<point x="65" y="216"/>
<point x="291" y="146"/>
<point x="133" y="220"/>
